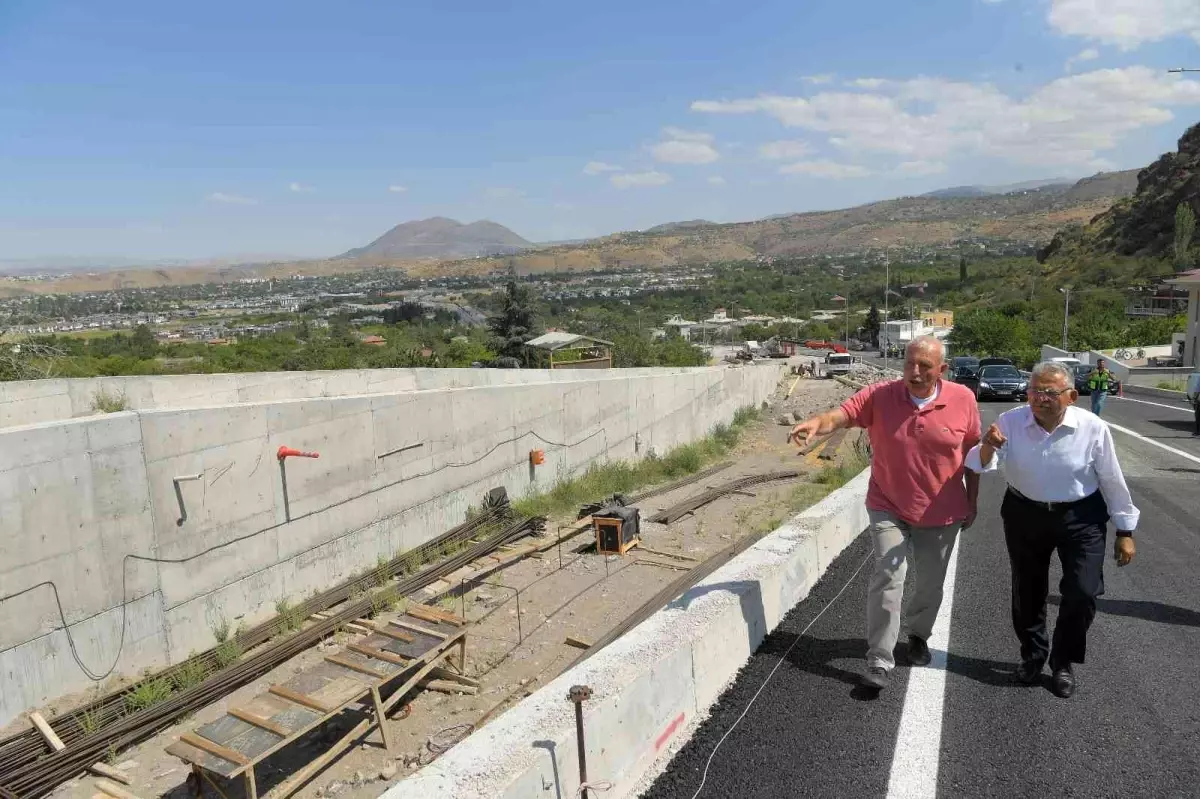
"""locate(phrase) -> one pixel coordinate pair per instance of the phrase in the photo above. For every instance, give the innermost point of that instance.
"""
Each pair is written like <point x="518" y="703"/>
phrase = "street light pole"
<point x="887" y="280"/>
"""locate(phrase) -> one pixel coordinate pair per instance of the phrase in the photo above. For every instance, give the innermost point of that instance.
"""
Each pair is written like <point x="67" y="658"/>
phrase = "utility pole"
<point x="887" y="279"/>
<point x="1066" y="290"/>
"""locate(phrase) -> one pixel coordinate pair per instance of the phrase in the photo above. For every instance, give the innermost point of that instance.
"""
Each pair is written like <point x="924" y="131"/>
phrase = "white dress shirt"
<point x="1069" y="464"/>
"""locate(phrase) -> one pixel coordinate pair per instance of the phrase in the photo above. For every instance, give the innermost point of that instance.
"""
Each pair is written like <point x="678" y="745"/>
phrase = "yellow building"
<point x="938" y="318"/>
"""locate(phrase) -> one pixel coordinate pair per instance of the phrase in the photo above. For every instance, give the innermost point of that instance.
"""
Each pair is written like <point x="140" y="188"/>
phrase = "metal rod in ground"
<point x="579" y="694"/>
<point x="697" y="501"/>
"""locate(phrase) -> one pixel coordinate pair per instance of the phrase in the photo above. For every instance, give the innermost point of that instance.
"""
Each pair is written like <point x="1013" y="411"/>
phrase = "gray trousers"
<point x="895" y="541"/>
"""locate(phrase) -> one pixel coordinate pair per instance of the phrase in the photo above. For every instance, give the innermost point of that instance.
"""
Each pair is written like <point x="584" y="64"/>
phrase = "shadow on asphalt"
<point x="817" y="656"/>
<point x="1145" y="611"/>
<point x="1182" y="425"/>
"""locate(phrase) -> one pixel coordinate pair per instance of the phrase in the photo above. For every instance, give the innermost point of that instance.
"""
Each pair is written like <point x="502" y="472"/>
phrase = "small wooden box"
<point x="611" y="537"/>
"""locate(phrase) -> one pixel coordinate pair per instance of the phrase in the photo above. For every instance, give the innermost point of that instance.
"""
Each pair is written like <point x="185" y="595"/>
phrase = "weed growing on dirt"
<point x="147" y="694"/>
<point x="190" y="672"/>
<point x="108" y="401"/>
<point x="89" y="720"/>
<point x="290" y="616"/>
<point x="385" y="599"/>
<point x="220" y="630"/>
<point x="229" y="650"/>
<point x="604" y="479"/>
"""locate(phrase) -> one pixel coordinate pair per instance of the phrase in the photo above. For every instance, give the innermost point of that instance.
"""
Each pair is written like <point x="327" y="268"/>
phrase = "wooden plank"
<point x="354" y="665"/>
<point x="437" y="615"/>
<point x="214" y="748"/>
<point x="105" y="770"/>
<point x="114" y="790"/>
<point x="396" y="635"/>
<point x="299" y="699"/>
<point x="419" y="629"/>
<point x="258" y="721"/>
<point x="446" y="674"/>
<point x="44" y="728"/>
<point x="578" y="643"/>
<point x="448" y="687"/>
<point x="379" y="654"/>
<point x="381" y="720"/>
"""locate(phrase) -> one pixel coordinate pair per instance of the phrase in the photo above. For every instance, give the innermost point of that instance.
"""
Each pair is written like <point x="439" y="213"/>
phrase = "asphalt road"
<point x="1131" y="730"/>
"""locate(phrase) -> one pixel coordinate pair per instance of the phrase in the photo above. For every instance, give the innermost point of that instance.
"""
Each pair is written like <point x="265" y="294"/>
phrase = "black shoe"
<point x="1030" y="671"/>
<point x="877" y="677"/>
<point x="1063" y="682"/>
<point x="918" y="651"/>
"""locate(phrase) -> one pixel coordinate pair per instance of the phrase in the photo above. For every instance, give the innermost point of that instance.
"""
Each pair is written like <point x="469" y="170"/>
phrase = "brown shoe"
<point x="877" y="677"/>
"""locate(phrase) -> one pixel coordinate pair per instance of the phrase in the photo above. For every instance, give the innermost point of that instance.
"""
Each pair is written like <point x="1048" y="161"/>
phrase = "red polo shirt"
<point x="917" y="455"/>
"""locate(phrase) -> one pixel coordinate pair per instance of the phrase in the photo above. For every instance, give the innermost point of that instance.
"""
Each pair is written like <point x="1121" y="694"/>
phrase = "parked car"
<point x="1084" y="371"/>
<point x="963" y="366"/>
<point x="994" y="362"/>
<point x="998" y="381"/>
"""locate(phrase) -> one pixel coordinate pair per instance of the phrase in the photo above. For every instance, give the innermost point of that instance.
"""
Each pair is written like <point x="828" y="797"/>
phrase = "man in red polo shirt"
<point x="921" y="428"/>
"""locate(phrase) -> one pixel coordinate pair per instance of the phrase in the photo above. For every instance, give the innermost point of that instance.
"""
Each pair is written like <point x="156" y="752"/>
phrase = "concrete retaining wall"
<point x="88" y="506"/>
<point x="32" y="401"/>
<point x="652" y="685"/>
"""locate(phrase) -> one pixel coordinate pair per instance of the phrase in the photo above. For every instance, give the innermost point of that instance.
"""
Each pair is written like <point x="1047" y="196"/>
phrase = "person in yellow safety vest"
<point x="1193" y="394"/>
<point x="1098" y="383"/>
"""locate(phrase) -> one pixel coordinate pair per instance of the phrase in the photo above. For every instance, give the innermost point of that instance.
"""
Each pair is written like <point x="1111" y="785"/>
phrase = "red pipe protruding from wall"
<point x="288" y="452"/>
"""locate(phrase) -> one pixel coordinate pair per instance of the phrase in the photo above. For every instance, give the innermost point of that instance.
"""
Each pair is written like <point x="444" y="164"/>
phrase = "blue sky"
<point x="152" y="129"/>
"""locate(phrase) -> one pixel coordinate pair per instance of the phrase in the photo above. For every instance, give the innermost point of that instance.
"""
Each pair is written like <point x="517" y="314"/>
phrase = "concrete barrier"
<point x="32" y="401"/>
<point x="1156" y="393"/>
<point x="92" y="526"/>
<point x="652" y="686"/>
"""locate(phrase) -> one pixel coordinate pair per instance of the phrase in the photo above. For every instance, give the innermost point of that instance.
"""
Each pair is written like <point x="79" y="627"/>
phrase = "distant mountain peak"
<point x="442" y="237"/>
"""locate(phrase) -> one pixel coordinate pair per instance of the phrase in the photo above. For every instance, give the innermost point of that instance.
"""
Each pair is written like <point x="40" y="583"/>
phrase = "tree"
<point x="985" y="332"/>
<point x="872" y="325"/>
<point x="514" y="325"/>
<point x="1185" y="227"/>
<point x="143" y="344"/>
<point x="962" y="269"/>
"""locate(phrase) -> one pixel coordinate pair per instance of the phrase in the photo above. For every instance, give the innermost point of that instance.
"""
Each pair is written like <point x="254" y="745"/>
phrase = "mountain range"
<point x="440" y="237"/>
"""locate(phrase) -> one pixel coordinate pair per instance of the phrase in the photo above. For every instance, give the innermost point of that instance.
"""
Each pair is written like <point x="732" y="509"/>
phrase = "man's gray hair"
<point x="1054" y="369"/>
<point x="934" y="343"/>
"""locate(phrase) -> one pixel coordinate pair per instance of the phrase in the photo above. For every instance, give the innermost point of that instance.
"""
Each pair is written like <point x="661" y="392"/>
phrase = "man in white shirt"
<point x="1064" y="484"/>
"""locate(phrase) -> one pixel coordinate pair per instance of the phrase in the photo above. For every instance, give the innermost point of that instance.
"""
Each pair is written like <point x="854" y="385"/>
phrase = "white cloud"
<point x="825" y="169"/>
<point x="1066" y="123"/>
<point x="300" y="188"/>
<point x="1126" y="23"/>
<point x="599" y="168"/>
<point x="782" y="150"/>
<point x="629" y="180"/>
<point x="716" y="180"/>
<point x="868" y="83"/>
<point x="397" y="189"/>
<point x="504" y="193"/>
<point x="920" y="168"/>
<point x="1090" y="54"/>
<point x="231" y="199"/>
<point x="685" y="147"/>
<point x="818" y="80"/>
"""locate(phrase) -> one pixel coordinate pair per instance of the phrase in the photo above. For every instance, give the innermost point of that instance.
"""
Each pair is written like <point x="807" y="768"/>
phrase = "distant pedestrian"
<point x="1064" y="484"/>
<point x="1098" y="383"/>
<point x="1193" y="394"/>
<point x="920" y="496"/>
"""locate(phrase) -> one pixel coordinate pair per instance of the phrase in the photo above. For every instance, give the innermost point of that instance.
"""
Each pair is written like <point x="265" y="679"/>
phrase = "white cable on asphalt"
<point x="917" y="755"/>
<point x="782" y="658"/>
<point x="1155" y="404"/>
<point x="1151" y="441"/>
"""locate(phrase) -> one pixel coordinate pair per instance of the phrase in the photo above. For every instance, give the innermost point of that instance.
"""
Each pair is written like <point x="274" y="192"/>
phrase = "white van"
<point x="838" y="363"/>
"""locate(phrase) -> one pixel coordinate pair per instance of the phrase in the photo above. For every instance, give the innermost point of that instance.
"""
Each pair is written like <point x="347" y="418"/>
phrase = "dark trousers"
<point x="1033" y="533"/>
<point x="1196" y="411"/>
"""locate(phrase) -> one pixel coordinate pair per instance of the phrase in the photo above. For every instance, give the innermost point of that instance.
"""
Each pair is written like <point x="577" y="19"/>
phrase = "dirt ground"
<point x="564" y="591"/>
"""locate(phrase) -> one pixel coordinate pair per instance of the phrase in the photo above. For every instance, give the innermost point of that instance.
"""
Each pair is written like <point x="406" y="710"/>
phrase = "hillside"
<point x="1029" y="217"/>
<point x="441" y="238"/>
<point x="1142" y="224"/>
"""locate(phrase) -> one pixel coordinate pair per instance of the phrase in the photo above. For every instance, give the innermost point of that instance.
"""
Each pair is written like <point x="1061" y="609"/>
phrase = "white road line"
<point x="1155" y="404"/>
<point x="919" y="740"/>
<point x="1151" y="441"/>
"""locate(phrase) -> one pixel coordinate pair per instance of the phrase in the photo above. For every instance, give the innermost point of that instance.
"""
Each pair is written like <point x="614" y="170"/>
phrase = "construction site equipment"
<point x="694" y="503"/>
<point x="288" y="452"/>
<point x="29" y="769"/>
<point x="395" y="657"/>
<point x="616" y="529"/>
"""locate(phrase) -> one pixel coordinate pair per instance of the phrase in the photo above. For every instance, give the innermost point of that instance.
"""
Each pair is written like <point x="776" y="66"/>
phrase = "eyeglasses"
<point x="1048" y="393"/>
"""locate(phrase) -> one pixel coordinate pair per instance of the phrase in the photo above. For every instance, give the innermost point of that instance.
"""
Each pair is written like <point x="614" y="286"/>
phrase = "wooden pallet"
<point x="399" y="653"/>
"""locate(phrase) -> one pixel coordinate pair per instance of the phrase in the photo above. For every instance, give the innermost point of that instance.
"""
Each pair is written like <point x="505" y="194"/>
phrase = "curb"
<point x="650" y="687"/>
<point x="1160" y="393"/>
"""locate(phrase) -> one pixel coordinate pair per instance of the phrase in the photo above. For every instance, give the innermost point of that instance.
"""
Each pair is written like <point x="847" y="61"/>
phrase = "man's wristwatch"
<point x="1124" y="533"/>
